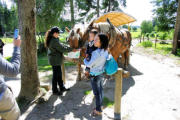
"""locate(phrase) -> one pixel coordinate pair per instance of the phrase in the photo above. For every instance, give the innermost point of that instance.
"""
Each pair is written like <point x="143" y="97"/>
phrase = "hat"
<point x="56" y="29"/>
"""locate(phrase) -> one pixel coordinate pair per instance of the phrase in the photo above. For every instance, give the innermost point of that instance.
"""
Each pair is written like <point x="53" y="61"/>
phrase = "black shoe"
<point x="65" y="89"/>
<point x="57" y="93"/>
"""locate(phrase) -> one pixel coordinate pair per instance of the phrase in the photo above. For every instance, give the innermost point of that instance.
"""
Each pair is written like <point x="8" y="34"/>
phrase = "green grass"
<point x="87" y="92"/>
<point x="62" y="38"/>
<point x="164" y="49"/>
<point x="8" y="58"/>
<point x="146" y="44"/>
<point x="107" y="102"/>
<point x="67" y="64"/>
<point x="43" y="64"/>
<point x="7" y="40"/>
<point x="135" y="34"/>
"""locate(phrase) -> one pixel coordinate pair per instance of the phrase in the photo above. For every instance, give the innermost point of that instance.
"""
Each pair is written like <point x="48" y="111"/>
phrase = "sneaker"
<point x="57" y="93"/>
<point x="65" y="89"/>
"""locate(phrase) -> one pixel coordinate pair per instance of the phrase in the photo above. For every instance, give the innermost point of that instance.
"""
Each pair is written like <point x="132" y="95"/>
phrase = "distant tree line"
<point x="8" y="18"/>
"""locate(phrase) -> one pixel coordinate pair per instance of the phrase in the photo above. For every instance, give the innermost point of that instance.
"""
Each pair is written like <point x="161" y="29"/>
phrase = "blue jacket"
<point x="97" y="61"/>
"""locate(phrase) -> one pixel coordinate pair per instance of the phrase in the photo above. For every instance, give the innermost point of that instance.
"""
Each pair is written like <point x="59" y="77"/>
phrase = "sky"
<point x="8" y="2"/>
<point x="139" y="9"/>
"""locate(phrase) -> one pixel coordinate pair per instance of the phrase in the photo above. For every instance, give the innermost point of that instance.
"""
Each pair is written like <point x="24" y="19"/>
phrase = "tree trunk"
<point x="27" y="25"/>
<point x="177" y="31"/>
<point x="109" y="6"/>
<point x="178" y="42"/>
<point x="97" y="8"/>
<point x="72" y="12"/>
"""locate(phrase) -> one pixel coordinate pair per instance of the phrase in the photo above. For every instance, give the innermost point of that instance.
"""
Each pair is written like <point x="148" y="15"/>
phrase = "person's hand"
<point x="17" y="43"/>
<point x="87" y="55"/>
<point x="75" y="50"/>
<point x="87" y="74"/>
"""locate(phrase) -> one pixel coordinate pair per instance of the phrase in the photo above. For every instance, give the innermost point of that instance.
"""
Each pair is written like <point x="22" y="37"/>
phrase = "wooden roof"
<point x="116" y="18"/>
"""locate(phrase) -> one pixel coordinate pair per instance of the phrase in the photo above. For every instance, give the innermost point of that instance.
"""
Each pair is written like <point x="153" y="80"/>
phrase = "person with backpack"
<point x="97" y="68"/>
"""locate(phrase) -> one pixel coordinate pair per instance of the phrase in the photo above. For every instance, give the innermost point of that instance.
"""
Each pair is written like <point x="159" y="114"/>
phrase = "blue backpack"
<point x="111" y="65"/>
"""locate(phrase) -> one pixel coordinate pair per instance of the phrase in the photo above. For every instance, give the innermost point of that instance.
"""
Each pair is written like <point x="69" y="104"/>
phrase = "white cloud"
<point x="140" y="9"/>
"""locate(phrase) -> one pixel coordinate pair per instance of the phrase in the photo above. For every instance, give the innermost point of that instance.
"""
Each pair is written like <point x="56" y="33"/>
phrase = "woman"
<point x="55" y="57"/>
<point x="96" y="65"/>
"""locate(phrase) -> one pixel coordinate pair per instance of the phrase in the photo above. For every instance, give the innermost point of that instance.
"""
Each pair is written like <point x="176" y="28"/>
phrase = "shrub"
<point x="163" y="36"/>
<point x="147" y="44"/>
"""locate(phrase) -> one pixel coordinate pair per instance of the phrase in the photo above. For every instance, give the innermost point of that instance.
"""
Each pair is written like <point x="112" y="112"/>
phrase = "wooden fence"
<point x="158" y="41"/>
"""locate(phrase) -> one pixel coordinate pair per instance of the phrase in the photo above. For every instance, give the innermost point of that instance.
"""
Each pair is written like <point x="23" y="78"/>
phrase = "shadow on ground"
<point x="70" y="106"/>
<point x="75" y="104"/>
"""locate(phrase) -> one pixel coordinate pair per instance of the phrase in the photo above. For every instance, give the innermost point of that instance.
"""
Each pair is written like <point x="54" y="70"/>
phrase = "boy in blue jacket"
<point x="90" y="48"/>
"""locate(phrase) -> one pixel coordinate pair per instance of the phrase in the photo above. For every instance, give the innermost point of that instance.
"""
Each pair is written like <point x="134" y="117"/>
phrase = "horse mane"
<point x="103" y="27"/>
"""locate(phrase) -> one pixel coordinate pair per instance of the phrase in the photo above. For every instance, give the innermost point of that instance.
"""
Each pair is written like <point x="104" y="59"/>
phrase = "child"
<point x="90" y="49"/>
<point x="1" y="46"/>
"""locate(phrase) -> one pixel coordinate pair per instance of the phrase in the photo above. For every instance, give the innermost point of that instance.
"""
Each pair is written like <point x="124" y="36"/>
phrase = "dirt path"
<point x="8" y="50"/>
<point x="152" y="92"/>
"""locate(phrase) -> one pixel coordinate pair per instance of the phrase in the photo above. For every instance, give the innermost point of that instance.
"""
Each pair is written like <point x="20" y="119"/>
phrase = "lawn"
<point x="164" y="49"/>
<point x="135" y="35"/>
<point x="62" y="38"/>
<point x="7" y="40"/>
<point x="43" y="64"/>
<point x="107" y="102"/>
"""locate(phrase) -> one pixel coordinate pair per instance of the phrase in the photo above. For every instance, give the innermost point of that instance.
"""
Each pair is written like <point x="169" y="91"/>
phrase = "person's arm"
<point x="61" y="48"/>
<point x="87" y="49"/>
<point x="11" y="69"/>
<point x="95" y="58"/>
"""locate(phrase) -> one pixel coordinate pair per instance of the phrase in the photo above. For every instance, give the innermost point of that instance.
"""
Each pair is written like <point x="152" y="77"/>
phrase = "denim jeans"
<point x="97" y="86"/>
<point x="57" y="79"/>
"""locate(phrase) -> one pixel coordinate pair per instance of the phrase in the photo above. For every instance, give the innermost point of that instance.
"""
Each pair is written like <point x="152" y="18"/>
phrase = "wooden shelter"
<point x="116" y="18"/>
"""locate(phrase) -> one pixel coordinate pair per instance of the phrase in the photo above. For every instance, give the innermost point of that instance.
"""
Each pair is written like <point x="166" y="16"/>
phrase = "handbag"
<point x="111" y="65"/>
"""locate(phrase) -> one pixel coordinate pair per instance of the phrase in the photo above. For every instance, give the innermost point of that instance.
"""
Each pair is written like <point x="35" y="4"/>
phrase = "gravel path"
<point x="152" y="92"/>
<point x="8" y="50"/>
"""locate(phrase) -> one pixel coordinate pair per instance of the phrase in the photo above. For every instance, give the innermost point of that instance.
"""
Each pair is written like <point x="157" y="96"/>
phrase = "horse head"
<point x="74" y="38"/>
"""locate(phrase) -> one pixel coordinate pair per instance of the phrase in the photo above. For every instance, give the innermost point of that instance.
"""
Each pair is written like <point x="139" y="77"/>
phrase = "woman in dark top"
<point x="55" y="57"/>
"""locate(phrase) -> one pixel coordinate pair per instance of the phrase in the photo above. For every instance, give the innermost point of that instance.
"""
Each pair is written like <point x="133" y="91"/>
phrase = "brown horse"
<point x="119" y="44"/>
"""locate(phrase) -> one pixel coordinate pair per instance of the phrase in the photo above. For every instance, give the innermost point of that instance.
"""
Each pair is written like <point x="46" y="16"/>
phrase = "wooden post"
<point x="63" y="72"/>
<point x="63" y="67"/>
<point x="118" y="94"/>
<point x="156" y="41"/>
